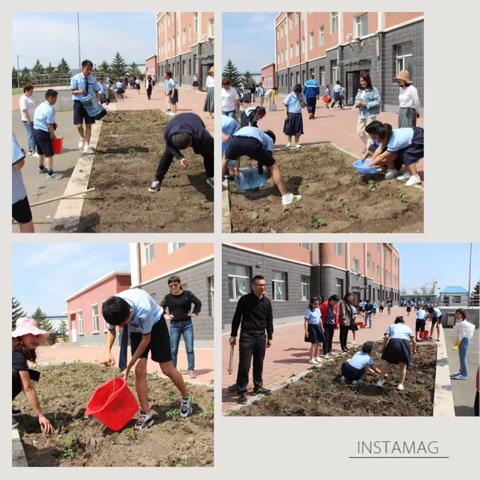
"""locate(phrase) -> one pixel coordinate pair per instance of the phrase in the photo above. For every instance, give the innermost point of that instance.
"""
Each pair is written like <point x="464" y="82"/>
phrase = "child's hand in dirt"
<point x="184" y="163"/>
<point x="45" y="424"/>
<point x="108" y="360"/>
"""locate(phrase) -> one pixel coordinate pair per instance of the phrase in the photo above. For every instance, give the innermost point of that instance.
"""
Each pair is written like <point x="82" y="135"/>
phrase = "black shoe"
<point x="233" y="388"/>
<point x="16" y="412"/>
<point x="262" y="391"/>
<point x="242" y="398"/>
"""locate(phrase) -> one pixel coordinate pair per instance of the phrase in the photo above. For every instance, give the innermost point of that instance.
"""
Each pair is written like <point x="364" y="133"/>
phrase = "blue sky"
<point x="420" y="263"/>
<point x="51" y="36"/>
<point x="248" y="40"/>
<point x="44" y="275"/>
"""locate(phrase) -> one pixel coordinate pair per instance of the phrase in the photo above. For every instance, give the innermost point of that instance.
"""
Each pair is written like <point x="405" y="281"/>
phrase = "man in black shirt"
<point x="179" y="304"/>
<point x="254" y="313"/>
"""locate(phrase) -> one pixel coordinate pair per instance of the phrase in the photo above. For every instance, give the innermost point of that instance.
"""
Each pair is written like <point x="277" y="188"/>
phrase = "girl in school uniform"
<point x="354" y="369"/>
<point x="313" y="329"/>
<point x="395" y="147"/>
<point x="398" y="342"/>
<point x="293" y="127"/>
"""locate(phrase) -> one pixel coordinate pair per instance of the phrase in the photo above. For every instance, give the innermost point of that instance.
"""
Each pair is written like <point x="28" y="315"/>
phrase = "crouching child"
<point x="355" y="369"/>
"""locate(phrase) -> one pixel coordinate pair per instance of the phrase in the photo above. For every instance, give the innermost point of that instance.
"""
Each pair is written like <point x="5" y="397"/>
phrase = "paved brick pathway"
<point x="67" y="353"/>
<point x="288" y="354"/>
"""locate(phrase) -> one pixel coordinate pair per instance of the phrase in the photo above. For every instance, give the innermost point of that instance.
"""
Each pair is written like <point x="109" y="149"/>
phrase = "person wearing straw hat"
<point x="408" y="100"/>
<point x="210" y="98"/>
<point x="25" y="339"/>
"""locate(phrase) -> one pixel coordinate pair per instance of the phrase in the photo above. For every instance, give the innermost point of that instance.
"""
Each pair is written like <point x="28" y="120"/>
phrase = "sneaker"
<point x="400" y="387"/>
<point x="391" y="174"/>
<point x="380" y="384"/>
<point x="413" y="180"/>
<point x="88" y="149"/>
<point x="42" y="170"/>
<point x="35" y="155"/>
<point x="460" y="377"/>
<point x="288" y="145"/>
<point x="81" y="143"/>
<point x="242" y="398"/>
<point x="210" y="182"/>
<point x="404" y="177"/>
<point x="318" y="359"/>
<point x="233" y="388"/>
<point x="289" y="198"/>
<point x="192" y="374"/>
<point x="154" y="186"/>
<point x="54" y="176"/>
<point x="456" y="374"/>
<point x="186" y="406"/>
<point x="313" y="361"/>
<point x="298" y="145"/>
<point x="262" y="391"/>
<point x="144" y="421"/>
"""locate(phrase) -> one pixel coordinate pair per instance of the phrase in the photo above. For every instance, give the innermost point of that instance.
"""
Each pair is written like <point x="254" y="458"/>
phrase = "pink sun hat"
<point x="26" y="325"/>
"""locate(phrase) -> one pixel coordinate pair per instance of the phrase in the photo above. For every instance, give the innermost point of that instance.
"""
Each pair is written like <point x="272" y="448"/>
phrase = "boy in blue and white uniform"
<point x="311" y="90"/>
<point x="420" y="322"/>
<point x="251" y="116"/>
<point x="142" y="318"/>
<point x="357" y="367"/>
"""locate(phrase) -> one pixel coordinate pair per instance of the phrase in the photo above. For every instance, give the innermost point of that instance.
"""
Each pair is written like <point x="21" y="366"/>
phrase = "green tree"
<point x="118" y="67"/>
<point x="133" y="70"/>
<point x="42" y="323"/>
<point x="25" y="76"/>
<point x="231" y="72"/>
<point x="104" y="68"/>
<point x="475" y="295"/>
<point x="17" y="312"/>
<point x="63" y="67"/>
<point x="49" y="69"/>
<point x="248" y="80"/>
<point x="63" y="329"/>
<point x="15" y="78"/>
<point x="38" y="69"/>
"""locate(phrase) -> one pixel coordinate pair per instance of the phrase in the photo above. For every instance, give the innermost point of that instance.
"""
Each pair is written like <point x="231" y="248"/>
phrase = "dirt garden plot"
<point x="335" y="198"/>
<point x="320" y="392"/>
<point x="64" y="392"/>
<point x="128" y="150"/>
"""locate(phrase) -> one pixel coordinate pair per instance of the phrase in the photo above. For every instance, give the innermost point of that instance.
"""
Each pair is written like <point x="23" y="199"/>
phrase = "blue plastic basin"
<point x="361" y="166"/>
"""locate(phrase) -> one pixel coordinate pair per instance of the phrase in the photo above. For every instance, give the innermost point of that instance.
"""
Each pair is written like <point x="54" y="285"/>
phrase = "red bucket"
<point x="113" y="404"/>
<point x="57" y="144"/>
<point x="424" y="335"/>
<point x="360" y="324"/>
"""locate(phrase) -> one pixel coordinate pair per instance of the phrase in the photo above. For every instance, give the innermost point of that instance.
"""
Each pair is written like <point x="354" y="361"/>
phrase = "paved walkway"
<point x="68" y="353"/>
<point x="463" y="390"/>
<point x="329" y="125"/>
<point x="288" y="355"/>
<point x="189" y="101"/>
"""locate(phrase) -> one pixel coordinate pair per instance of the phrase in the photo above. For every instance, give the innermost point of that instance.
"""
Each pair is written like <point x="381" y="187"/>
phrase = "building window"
<point x="173" y="246"/>
<point x="81" y="327"/>
<point x="297" y="48"/>
<point x="195" y="22"/>
<point x="238" y="281"/>
<point x="339" y="287"/>
<point x="321" y="36"/>
<point x="306" y="246"/>
<point x="403" y="57"/>
<point x="184" y="63"/>
<point x="211" y="295"/>
<point x="211" y="28"/>
<point x="279" y="285"/>
<point x="95" y="322"/>
<point x="334" y="71"/>
<point x="339" y="249"/>
<point x="184" y="35"/>
<point x="290" y="24"/>
<point x="189" y="66"/>
<point x="305" y="284"/>
<point x="457" y="299"/>
<point x="312" y="40"/>
<point x="297" y="15"/>
<point x="360" y="25"/>
<point x="322" y="76"/>
<point x="334" y="22"/>
<point x="149" y="252"/>
<point x="369" y="260"/>
<point x="356" y="265"/>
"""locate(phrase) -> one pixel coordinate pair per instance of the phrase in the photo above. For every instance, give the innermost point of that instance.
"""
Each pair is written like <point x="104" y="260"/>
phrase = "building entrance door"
<point x="352" y="86"/>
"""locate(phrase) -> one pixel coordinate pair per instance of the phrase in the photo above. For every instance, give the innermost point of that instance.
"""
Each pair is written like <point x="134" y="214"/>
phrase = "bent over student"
<point x="181" y="132"/>
<point x="254" y="314"/>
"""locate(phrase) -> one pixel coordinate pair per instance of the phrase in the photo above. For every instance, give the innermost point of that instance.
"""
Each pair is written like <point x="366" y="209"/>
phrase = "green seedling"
<point x="68" y="442"/>
<point x="402" y="196"/>
<point x="372" y="185"/>
<point x="172" y="414"/>
<point x="131" y="151"/>
<point x="317" y="222"/>
<point x="179" y="463"/>
<point x="254" y="215"/>
<point x="327" y="197"/>
<point x="130" y="434"/>
<point x="170" y="393"/>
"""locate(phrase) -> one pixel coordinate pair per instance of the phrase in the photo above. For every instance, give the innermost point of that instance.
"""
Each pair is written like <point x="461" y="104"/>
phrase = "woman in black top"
<point x="179" y="304"/>
<point x="25" y="339"/>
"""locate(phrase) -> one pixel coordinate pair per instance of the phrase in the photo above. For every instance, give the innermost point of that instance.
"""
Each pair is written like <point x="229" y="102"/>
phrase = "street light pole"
<point x="469" y="275"/>
<point x="78" y="40"/>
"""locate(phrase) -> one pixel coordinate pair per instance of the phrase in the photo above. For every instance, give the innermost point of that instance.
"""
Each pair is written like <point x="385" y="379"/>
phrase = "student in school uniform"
<point x="314" y="330"/>
<point x="329" y="310"/>
<point x="395" y="147"/>
<point x="136" y="310"/>
<point x="171" y="92"/>
<point x="311" y="90"/>
<point x="409" y="102"/>
<point x="181" y="132"/>
<point x="209" y="105"/>
<point x="258" y="145"/>
<point x="293" y="127"/>
<point x="436" y="317"/>
<point x="337" y="91"/>
<point x="120" y="89"/>
<point x="398" y="343"/>
<point x="260" y="93"/>
<point x="251" y="116"/>
<point x="82" y="85"/>
<point x="229" y="127"/>
<point x="149" y="86"/>
<point x="21" y="211"/>
<point x="420" y="322"/>
<point x="355" y="368"/>
<point x="44" y="132"/>
<point x="103" y="92"/>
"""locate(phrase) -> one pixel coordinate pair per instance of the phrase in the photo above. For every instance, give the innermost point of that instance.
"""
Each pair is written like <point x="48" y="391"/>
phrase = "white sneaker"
<point x="400" y="387"/>
<point x="35" y="155"/>
<point x="391" y="174"/>
<point x="380" y="383"/>
<point x="312" y="361"/>
<point x="288" y="145"/>
<point x="81" y="143"/>
<point x="404" y="177"/>
<point x="413" y="180"/>
<point x="318" y="359"/>
<point x="459" y="377"/>
<point x="88" y="149"/>
<point x="298" y="145"/>
<point x="289" y="198"/>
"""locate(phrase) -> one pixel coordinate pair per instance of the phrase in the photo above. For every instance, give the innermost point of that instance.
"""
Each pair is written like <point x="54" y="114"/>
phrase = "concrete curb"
<point x="71" y="208"/>
<point x="226" y="223"/>
<point x="18" y="453"/>
<point x="443" y="405"/>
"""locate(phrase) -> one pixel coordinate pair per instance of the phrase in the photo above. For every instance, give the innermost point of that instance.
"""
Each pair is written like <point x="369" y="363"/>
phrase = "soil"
<point x="129" y="148"/>
<point x="64" y="392"/>
<point x="335" y="198"/>
<point x="320" y="392"/>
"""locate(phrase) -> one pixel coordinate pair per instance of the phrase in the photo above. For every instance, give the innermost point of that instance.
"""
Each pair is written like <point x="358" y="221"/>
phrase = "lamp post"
<point x="469" y="275"/>
<point x="78" y="41"/>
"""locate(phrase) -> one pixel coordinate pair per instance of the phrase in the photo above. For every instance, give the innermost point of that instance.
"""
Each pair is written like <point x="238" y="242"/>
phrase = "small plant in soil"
<point x="372" y="185"/>
<point x="317" y="222"/>
<point x="178" y="463"/>
<point x="402" y="196"/>
<point x="254" y="215"/>
<point x="327" y="197"/>
<point x="68" y="442"/>
<point x="170" y="393"/>
<point x="173" y="414"/>
<point x="130" y="434"/>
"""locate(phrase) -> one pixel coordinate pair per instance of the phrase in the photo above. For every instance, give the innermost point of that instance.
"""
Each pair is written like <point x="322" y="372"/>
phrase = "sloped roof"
<point x="454" y="289"/>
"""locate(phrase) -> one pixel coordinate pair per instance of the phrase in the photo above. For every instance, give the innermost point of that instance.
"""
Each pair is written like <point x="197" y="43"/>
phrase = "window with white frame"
<point x="211" y="295"/>
<point x="360" y="25"/>
<point x="279" y="285"/>
<point x="457" y="299"/>
<point x="81" y="326"/>
<point x="321" y="36"/>
<point x="356" y="265"/>
<point x="334" y="71"/>
<point x="148" y="252"/>
<point x="195" y="22"/>
<point x="339" y="249"/>
<point x="311" y="40"/>
<point x="333" y="22"/>
<point x="403" y="57"/>
<point x="211" y="28"/>
<point x="238" y="280"/>
<point x="174" y="246"/>
<point x="305" y="284"/>
<point x="95" y="322"/>
<point x="322" y="76"/>
<point x="291" y="51"/>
